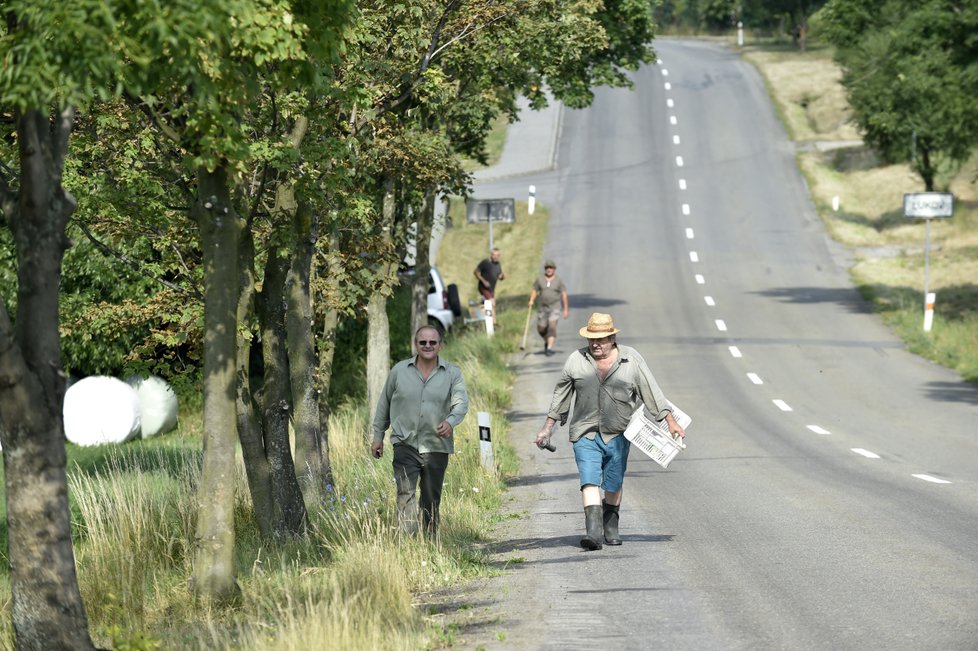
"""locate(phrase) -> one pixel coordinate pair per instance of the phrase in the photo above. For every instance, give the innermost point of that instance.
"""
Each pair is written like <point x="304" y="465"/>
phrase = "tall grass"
<point x="136" y="524"/>
<point x="351" y="583"/>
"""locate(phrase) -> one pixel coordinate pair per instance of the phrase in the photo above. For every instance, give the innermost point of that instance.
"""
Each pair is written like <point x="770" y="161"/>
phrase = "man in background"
<point x="553" y="294"/>
<point x="488" y="272"/>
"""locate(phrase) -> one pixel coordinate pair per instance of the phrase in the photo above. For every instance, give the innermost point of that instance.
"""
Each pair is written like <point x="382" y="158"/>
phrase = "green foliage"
<point x="60" y="54"/>
<point x="911" y="71"/>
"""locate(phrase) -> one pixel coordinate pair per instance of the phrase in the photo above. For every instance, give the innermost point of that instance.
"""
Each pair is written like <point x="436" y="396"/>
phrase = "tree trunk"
<point x="250" y="433"/>
<point x="927" y="171"/>
<point x="47" y="608"/>
<point x="309" y="442"/>
<point x="422" y="263"/>
<point x="378" y="327"/>
<point x="214" y="576"/>
<point x="290" y="512"/>
<point x="328" y="317"/>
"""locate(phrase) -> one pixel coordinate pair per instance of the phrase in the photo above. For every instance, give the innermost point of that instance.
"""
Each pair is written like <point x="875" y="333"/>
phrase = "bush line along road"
<point x="827" y="495"/>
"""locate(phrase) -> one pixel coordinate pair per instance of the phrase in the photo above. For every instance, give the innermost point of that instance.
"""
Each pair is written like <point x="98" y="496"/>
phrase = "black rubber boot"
<point x="611" y="524"/>
<point x="595" y="528"/>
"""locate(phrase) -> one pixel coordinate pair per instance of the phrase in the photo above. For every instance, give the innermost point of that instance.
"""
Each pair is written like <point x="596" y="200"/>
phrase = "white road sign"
<point x="928" y="204"/>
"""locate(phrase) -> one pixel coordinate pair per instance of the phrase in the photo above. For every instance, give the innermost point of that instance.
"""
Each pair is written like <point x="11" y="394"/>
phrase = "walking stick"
<point x="526" y="328"/>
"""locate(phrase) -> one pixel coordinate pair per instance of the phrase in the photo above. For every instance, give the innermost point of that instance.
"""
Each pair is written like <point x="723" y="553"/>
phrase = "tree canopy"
<point x="911" y="72"/>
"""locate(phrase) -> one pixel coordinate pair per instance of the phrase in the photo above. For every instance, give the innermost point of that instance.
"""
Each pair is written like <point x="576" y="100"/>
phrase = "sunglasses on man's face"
<point x="432" y="342"/>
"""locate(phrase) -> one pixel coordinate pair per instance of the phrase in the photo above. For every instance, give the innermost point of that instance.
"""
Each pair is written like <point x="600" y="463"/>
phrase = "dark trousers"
<point x="410" y="467"/>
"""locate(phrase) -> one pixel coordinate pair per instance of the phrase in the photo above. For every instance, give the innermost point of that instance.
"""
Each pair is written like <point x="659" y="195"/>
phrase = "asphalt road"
<point x="828" y="498"/>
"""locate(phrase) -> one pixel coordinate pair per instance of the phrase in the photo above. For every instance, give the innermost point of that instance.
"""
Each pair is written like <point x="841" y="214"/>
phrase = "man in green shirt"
<point x="423" y="401"/>
<point x="607" y="383"/>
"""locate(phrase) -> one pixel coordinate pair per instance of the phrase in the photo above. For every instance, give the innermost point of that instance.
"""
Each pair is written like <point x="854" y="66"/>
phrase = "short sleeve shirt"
<point x="549" y="290"/>
<point x="490" y="271"/>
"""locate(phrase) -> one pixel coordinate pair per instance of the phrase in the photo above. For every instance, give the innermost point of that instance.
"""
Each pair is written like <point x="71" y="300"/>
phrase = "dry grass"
<point x="808" y="92"/>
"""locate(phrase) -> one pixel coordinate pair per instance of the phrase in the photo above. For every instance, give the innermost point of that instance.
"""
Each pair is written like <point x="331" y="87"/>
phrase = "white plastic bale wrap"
<point x="158" y="404"/>
<point x="99" y="410"/>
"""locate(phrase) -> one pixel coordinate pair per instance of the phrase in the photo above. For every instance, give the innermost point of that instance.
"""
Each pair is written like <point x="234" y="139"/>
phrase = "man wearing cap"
<point x="607" y="383"/>
<point x="552" y="292"/>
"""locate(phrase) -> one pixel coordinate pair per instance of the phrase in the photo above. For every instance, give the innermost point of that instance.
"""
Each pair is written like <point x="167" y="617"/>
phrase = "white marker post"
<point x="929" y="311"/>
<point x="740" y="33"/>
<point x="485" y="441"/>
<point x="487" y="308"/>
<point x="531" y="202"/>
<point x="928" y="205"/>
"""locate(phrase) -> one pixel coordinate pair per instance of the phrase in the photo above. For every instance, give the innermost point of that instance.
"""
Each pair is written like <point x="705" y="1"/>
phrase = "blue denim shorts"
<point x="602" y="464"/>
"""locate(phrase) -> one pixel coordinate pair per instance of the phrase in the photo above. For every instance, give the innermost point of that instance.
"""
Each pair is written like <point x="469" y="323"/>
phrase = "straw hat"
<point x="598" y="326"/>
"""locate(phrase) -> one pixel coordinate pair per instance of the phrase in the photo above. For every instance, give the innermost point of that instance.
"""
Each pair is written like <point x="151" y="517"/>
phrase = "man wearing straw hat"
<point x="552" y="292"/>
<point x="607" y="383"/>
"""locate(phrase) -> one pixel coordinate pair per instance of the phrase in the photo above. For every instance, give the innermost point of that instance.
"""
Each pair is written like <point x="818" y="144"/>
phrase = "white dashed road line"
<point x="933" y="480"/>
<point x="722" y="326"/>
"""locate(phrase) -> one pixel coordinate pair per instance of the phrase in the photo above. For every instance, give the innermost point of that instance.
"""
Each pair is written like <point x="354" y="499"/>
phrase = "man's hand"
<point x="542" y="440"/>
<point x="674" y="428"/>
<point x="444" y="429"/>
<point x="377" y="450"/>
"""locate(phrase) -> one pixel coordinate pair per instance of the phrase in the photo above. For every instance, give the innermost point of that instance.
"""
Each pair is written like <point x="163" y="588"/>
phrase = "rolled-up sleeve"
<point x="459" y="399"/>
<point x="656" y="405"/>
<point x="563" y="393"/>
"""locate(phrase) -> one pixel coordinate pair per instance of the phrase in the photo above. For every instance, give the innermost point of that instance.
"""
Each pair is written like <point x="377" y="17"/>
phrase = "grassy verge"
<point x="353" y="582"/>
<point x="888" y="248"/>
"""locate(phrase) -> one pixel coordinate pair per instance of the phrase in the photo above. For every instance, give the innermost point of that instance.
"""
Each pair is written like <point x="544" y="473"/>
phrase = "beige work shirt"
<point x="605" y="407"/>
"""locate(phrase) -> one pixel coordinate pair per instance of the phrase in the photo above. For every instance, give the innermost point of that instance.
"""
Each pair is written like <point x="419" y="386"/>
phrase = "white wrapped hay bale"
<point x="158" y="405"/>
<point x="100" y="410"/>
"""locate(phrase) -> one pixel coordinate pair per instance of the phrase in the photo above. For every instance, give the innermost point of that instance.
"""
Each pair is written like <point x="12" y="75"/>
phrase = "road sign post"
<point x="490" y="211"/>
<point x="926" y="206"/>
